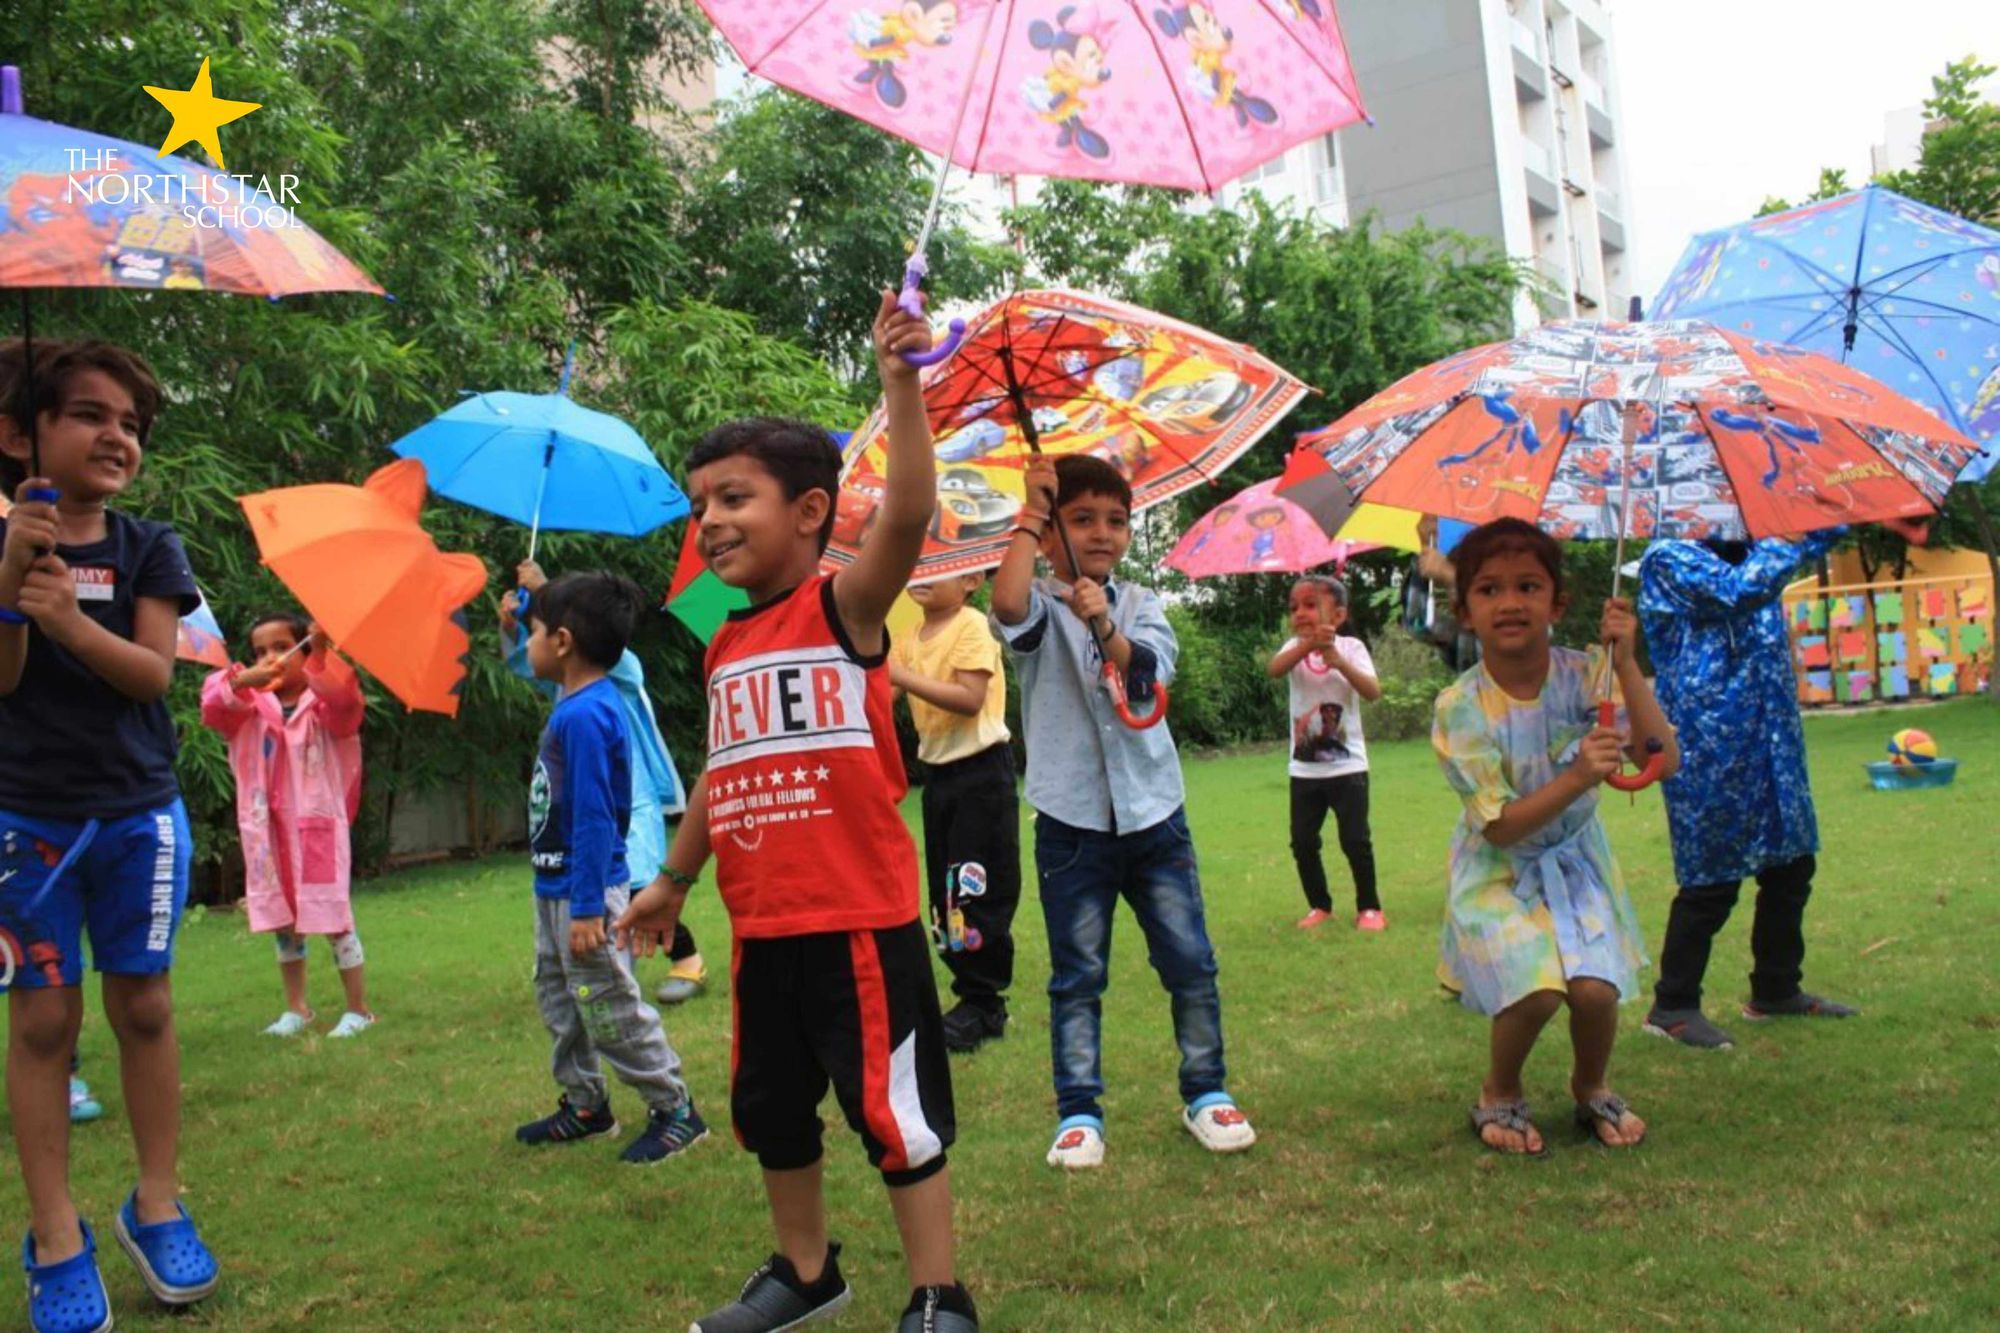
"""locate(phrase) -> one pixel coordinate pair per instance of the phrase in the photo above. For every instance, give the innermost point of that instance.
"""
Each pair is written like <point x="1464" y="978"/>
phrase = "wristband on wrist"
<point x="680" y="877"/>
<point x="1036" y="533"/>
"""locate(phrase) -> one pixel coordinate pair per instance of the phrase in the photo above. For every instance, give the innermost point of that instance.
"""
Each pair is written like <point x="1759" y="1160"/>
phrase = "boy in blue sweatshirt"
<point x="579" y="812"/>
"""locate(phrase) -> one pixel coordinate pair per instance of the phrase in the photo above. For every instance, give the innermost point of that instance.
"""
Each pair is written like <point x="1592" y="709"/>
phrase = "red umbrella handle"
<point x="912" y="301"/>
<point x="1656" y="756"/>
<point x="1120" y="701"/>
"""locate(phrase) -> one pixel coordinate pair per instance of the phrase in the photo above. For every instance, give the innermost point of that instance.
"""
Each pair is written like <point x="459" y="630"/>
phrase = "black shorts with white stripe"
<point x="857" y="1010"/>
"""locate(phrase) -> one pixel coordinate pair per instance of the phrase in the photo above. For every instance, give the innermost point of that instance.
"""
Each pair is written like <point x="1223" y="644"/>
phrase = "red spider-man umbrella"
<point x="1677" y="429"/>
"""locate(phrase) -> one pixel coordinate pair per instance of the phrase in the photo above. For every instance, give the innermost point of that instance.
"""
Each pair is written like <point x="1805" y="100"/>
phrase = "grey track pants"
<point x="593" y="1007"/>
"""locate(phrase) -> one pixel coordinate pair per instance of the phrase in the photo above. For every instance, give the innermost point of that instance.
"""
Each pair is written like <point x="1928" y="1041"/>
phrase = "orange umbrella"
<point x="359" y="563"/>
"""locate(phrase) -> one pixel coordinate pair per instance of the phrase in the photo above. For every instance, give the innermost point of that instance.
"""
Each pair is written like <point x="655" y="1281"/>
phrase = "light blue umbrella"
<point x="544" y="460"/>
<point x="1903" y="292"/>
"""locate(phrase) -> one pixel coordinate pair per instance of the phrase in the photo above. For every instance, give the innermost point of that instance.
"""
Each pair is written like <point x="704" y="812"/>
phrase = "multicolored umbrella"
<point x="79" y="209"/>
<point x="1169" y="405"/>
<point x="360" y="564"/>
<point x="1203" y="93"/>
<point x="200" y="637"/>
<point x="1258" y="531"/>
<point x="1729" y="437"/>
<point x="696" y="597"/>
<point x="1904" y="292"/>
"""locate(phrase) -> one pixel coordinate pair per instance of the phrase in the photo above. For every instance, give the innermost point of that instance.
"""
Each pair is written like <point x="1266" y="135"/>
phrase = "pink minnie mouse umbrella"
<point x="1258" y="531"/>
<point x="1188" y="96"/>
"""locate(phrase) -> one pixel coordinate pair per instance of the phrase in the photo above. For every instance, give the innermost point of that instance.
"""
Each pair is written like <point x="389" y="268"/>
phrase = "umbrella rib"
<point x="992" y="84"/>
<point x="1874" y="300"/>
<point x="441" y="484"/>
<point x="786" y="36"/>
<point x="1736" y="488"/>
<point x="1180" y="106"/>
<point x="1933" y="259"/>
<point x="1889" y="334"/>
<point x="1352" y="90"/>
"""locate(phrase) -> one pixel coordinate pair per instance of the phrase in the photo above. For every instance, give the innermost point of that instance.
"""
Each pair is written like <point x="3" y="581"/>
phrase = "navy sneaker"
<point x="666" y="1133"/>
<point x="568" y="1125"/>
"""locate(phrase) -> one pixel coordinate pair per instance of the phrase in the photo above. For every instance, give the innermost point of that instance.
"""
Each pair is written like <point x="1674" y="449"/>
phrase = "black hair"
<point x="1078" y="475"/>
<point x="802" y="456"/>
<point x="58" y="362"/>
<point x="1503" y="536"/>
<point x="599" y="610"/>
<point x="1329" y="585"/>
<point x="300" y="627"/>
<point x="1729" y="552"/>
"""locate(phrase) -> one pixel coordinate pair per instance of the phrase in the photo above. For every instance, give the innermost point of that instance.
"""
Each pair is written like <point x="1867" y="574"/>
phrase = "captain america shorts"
<point x="124" y="881"/>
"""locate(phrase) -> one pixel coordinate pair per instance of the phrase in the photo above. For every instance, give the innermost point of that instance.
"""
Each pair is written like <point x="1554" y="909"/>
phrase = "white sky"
<point x="1728" y="101"/>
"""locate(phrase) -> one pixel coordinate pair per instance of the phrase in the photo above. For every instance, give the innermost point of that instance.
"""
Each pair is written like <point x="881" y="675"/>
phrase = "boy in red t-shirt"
<point x="831" y="972"/>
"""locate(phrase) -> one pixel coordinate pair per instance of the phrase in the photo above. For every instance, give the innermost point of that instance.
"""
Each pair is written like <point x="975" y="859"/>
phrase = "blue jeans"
<point x="1082" y="875"/>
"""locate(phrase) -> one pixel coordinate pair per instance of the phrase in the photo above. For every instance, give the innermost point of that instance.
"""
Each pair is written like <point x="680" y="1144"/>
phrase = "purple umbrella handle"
<point x="37" y="495"/>
<point x="912" y="302"/>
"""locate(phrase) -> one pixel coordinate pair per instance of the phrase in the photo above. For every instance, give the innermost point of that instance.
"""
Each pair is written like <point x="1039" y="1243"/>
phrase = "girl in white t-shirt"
<point x="1327" y="676"/>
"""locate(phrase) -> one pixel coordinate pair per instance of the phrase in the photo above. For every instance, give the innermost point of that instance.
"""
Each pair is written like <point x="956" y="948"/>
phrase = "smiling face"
<point x="1509" y="602"/>
<point x="91" y="446"/>
<point x="1099" y="527"/>
<point x="751" y="536"/>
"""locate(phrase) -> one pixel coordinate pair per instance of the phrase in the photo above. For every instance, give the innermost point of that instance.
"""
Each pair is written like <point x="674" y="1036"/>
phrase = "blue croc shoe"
<point x="67" y="1296"/>
<point x="177" y="1267"/>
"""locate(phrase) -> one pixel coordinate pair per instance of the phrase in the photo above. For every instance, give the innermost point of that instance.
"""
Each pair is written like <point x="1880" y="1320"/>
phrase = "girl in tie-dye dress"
<point x="1537" y="915"/>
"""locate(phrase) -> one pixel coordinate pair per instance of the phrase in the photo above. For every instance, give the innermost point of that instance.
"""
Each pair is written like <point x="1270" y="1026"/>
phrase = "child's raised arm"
<point x="866" y="589"/>
<point x="1016" y="574"/>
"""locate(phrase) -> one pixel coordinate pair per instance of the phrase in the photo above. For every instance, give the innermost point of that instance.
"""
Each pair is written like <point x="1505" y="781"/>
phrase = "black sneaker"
<point x="775" y="1299"/>
<point x="568" y="1125"/>
<point x="968" y="1025"/>
<point x="666" y="1133"/>
<point x="939" y="1310"/>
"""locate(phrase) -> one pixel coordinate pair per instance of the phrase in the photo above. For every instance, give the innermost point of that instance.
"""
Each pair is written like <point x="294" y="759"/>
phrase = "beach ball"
<point x="1910" y="746"/>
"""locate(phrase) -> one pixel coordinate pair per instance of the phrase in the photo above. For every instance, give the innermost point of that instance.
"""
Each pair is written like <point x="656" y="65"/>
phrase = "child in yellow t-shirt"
<point x="950" y="669"/>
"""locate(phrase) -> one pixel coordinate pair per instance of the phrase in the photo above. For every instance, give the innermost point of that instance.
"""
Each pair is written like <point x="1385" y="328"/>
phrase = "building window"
<point x="1266" y="171"/>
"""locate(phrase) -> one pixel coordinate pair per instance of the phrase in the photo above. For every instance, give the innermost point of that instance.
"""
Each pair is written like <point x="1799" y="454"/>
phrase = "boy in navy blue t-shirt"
<point x="92" y="831"/>
<point x="579" y="812"/>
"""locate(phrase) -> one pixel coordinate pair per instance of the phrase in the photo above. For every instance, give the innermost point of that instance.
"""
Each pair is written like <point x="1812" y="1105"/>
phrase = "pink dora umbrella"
<point x="1258" y="531"/>
<point x="1188" y="96"/>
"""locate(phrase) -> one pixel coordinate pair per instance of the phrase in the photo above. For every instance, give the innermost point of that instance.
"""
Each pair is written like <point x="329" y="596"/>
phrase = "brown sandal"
<point x="1513" y="1116"/>
<point x="1610" y="1109"/>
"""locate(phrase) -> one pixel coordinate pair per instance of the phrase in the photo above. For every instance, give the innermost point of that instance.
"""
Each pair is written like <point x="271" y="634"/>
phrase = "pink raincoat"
<point x="298" y="788"/>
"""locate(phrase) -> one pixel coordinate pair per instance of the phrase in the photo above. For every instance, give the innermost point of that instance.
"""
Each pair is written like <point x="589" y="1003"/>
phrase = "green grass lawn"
<point x="1819" y="1176"/>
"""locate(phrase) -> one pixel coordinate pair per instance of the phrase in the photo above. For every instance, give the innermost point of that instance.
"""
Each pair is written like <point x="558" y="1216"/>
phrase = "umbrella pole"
<point x="1631" y="429"/>
<point x="541" y="486"/>
<point x="28" y="382"/>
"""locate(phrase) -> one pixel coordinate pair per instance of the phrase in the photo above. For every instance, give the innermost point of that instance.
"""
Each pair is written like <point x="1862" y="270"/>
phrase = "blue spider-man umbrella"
<point x="543" y="460"/>
<point x="1903" y="292"/>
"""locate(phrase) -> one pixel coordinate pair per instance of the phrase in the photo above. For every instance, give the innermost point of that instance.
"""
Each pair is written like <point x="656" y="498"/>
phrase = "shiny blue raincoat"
<point x="1716" y="633"/>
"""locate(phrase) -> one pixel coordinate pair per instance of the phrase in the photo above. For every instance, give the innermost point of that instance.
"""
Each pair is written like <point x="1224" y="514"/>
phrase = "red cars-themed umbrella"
<point x="1059" y="372"/>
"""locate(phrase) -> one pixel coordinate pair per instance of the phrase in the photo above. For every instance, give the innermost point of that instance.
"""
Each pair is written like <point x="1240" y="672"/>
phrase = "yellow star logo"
<point x="198" y="113"/>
